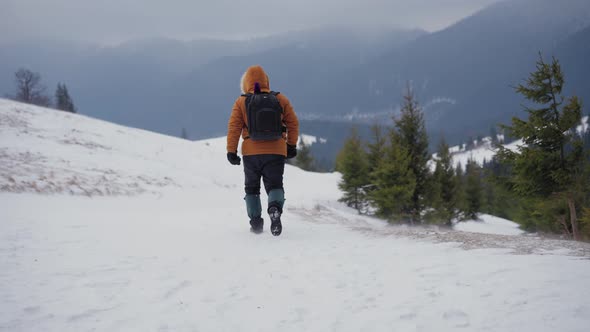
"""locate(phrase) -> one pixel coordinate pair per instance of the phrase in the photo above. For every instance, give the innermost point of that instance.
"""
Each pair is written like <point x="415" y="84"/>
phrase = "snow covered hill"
<point x="484" y="151"/>
<point x="109" y="228"/>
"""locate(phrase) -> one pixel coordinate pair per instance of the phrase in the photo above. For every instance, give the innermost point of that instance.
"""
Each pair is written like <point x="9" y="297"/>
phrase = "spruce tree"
<point x="376" y="148"/>
<point x="586" y="138"/>
<point x="414" y="139"/>
<point x="394" y="182"/>
<point x="460" y="201"/>
<point x="352" y="163"/>
<point x="473" y="190"/>
<point x="549" y="165"/>
<point x="446" y="204"/>
<point x="63" y="101"/>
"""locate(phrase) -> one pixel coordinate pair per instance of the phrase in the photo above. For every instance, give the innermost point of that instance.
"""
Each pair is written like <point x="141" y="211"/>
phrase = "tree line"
<point x="30" y="90"/>
<point x="542" y="181"/>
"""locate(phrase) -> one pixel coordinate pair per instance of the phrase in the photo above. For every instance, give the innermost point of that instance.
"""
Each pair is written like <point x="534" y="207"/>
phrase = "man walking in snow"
<point x="269" y="129"/>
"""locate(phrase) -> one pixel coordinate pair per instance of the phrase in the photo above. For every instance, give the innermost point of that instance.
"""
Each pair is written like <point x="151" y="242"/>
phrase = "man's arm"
<point x="234" y="127"/>
<point x="290" y="120"/>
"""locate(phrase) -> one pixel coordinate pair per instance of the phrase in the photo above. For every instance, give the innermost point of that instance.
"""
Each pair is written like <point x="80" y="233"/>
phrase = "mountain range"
<point x="336" y="76"/>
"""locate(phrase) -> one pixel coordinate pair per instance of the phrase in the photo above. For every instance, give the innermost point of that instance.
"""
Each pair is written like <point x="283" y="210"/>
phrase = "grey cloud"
<point x="119" y="20"/>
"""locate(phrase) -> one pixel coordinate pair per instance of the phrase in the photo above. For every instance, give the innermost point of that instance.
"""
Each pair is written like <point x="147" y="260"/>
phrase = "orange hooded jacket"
<point x="238" y="120"/>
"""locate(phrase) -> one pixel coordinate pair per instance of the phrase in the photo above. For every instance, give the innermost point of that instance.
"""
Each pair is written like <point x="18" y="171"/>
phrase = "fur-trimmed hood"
<point x="254" y="74"/>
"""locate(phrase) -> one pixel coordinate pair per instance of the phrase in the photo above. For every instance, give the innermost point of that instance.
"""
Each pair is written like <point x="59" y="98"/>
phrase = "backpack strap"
<point x="276" y="93"/>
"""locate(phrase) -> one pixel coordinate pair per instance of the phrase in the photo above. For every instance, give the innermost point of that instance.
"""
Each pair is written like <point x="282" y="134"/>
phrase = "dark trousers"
<point x="268" y="166"/>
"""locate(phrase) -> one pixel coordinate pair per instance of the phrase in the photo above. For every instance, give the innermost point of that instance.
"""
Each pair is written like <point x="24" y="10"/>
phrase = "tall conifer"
<point x="414" y="139"/>
<point x="446" y="204"/>
<point x="352" y="163"/>
<point x="394" y="182"/>
<point x="63" y="101"/>
<point x="473" y="189"/>
<point x="549" y="164"/>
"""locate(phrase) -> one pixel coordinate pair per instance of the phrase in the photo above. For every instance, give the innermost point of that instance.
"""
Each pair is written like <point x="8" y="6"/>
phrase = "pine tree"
<point x="548" y="166"/>
<point x="446" y="204"/>
<point x="460" y="201"/>
<point x="586" y="138"/>
<point x="352" y="163"/>
<point x="414" y="139"/>
<point x="473" y="190"/>
<point x="394" y="182"/>
<point x="304" y="159"/>
<point x="376" y="149"/>
<point x="63" y="101"/>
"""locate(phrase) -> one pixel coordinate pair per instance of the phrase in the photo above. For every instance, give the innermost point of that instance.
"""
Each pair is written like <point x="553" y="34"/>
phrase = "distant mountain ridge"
<point x="462" y="75"/>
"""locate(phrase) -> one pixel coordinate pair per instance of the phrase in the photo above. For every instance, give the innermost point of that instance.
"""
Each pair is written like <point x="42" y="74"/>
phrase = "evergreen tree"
<point x="446" y="203"/>
<point x="585" y="222"/>
<point x="352" y="163"/>
<point x="460" y="201"/>
<point x="586" y="138"/>
<point x="376" y="149"/>
<point x="433" y="190"/>
<point x="304" y="159"/>
<point x="63" y="101"/>
<point x="548" y="167"/>
<point x="394" y="182"/>
<point x="473" y="190"/>
<point x="414" y="139"/>
<point x="501" y="201"/>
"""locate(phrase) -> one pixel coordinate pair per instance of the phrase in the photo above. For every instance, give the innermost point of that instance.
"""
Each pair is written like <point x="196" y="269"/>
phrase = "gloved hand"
<point x="233" y="158"/>
<point x="291" y="151"/>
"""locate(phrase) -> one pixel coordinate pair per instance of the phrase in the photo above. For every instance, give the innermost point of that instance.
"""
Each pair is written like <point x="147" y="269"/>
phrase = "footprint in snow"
<point x="457" y="318"/>
<point x="32" y="310"/>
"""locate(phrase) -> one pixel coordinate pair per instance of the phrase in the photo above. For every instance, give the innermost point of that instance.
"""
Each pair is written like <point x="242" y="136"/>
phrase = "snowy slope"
<point x="485" y="151"/>
<point x="108" y="228"/>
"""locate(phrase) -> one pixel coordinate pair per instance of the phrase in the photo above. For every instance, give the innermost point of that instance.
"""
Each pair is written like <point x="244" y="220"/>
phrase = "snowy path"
<point x="516" y="244"/>
<point x="164" y="264"/>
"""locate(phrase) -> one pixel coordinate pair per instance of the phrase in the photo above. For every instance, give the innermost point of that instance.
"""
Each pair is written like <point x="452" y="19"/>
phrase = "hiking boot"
<point x="275" y="221"/>
<point x="256" y="225"/>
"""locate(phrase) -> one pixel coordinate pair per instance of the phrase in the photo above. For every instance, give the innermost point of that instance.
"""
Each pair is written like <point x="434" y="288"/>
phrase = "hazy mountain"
<point x="164" y="84"/>
<point x="574" y="55"/>
<point x="465" y="73"/>
<point x="304" y="69"/>
<point x="462" y="75"/>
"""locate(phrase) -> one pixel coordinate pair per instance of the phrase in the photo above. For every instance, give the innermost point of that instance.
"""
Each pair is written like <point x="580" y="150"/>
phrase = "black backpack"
<point x="264" y="113"/>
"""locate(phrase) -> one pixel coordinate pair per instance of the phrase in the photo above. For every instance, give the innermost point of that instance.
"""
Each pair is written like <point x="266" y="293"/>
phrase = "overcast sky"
<point x="113" y="21"/>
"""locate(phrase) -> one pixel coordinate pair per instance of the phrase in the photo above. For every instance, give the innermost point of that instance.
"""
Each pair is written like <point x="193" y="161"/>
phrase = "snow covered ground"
<point x="108" y="228"/>
<point x="489" y="225"/>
